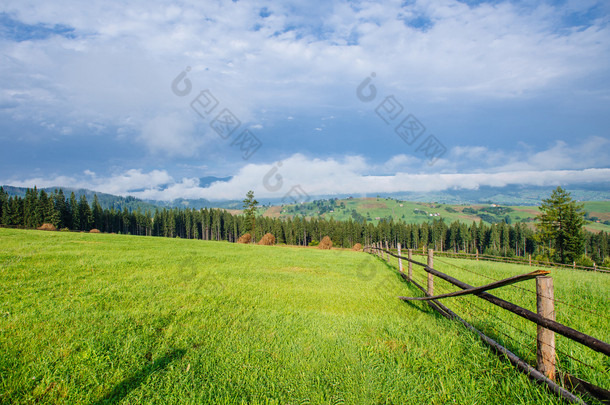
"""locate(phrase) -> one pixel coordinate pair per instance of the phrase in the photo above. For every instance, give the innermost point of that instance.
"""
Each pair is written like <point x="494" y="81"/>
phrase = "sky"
<point x="303" y="98"/>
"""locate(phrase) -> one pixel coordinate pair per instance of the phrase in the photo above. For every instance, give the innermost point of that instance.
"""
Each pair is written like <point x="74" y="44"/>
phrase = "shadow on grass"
<point x="133" y="382"/>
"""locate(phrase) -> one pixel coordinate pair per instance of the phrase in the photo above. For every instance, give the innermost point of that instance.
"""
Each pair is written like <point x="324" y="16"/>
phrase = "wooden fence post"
<point x="546" y="338"/>
<point x="399" y="259"/>
<point x="430" y="277"/>
<point x="574" y="265"/>
<point x="387" y="255"/>
<point x="410" y="265"/>
<point x="477" y="254"/>
<point x="530" y="258"/>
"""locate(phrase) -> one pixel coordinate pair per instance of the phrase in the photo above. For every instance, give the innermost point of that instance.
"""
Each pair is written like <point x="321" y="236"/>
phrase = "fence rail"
<point x="545" y="372"/>
<point x="515" y="260"/>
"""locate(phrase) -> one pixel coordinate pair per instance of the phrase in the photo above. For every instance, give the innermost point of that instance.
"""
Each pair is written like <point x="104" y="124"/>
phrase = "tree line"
<point x="500" y="239"/>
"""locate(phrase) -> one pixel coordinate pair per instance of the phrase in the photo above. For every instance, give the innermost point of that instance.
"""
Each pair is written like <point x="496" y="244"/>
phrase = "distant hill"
<point x="508" y="195"/>
<point x="208" y="180"/>
<point x="378" y="208"/>
<point x="129" y="202"/>
<point x="106" y="200"/>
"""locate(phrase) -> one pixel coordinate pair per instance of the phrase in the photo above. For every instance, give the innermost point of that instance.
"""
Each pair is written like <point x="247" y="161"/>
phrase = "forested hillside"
<point x="70" y="213"/>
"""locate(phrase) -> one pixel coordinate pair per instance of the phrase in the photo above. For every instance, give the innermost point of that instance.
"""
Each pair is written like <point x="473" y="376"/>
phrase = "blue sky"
<point x="485" y="94"/>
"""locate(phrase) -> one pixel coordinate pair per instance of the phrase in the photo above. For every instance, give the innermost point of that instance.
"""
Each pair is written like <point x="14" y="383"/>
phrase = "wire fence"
<point x="517" y="260"/>
<point x="513" y="331"/>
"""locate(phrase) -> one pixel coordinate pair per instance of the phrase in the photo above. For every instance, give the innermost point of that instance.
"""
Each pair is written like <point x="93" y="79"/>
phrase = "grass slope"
<point x="96" y="318"/>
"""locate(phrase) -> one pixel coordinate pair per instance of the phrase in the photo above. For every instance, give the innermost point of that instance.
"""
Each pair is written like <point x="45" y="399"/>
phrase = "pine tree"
<point x="45" y="211"/>
<point x="7" y="214"/>
<point x="16" y="210"/>
<point x="98" y="213"/>
<point x="560" y="226"/>
<point x="250" y="205"/>
<point x="62" y="209"/>
<point x="126" y="221"/>
<point x="3" y="204"/>
<point x="31" y="212"/>
<point x="85" y="214"/>
<point x="74" y="214"/>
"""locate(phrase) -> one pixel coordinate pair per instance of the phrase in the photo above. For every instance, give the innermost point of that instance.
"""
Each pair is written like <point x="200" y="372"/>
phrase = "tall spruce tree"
<point x="85" y="215"/>
<point x="74" y="214"/>
<point x="560" y="226"/>
<point x="98" y="213"/>
<point x="62" y="208"/>
<point x="3" y="203"/>
<point x="250" y="205"/>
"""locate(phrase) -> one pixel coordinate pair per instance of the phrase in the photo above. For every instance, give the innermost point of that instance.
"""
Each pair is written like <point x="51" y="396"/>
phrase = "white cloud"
<point x="119" y="184"/>
<point x="113" y="77"/>
<point x="559" y="165"/>
<point x="124" y="55"/>
<point x="133" y="180"/>
<point x="171" y="134"/>
<point x="592" y="152"/>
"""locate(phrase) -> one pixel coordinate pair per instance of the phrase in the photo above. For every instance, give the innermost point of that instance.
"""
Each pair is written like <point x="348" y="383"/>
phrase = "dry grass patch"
<point x="268" y="240"/>
<point x="325" y="243"/>
<point x="245" y="238"/>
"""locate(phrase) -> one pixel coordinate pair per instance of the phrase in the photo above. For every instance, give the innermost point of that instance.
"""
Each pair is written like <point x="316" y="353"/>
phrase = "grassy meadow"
<point x="105" y="319"/>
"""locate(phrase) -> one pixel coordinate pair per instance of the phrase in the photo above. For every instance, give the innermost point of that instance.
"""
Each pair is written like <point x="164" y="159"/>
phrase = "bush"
<point x="268" y="240"/>
<point x="314" y="243"/>
<point x="357" y="247"/>
<point x="47" y="227"/>
<point x="64" y="230"/>
<point x="325" y="243"/>
<point x="245" y="238"/>
<point x="606" y="262"/>
<point x="584" y="261"/>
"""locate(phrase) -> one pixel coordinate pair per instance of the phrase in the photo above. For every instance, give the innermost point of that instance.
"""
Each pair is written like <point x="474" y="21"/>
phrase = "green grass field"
<point x="96" y="318"/>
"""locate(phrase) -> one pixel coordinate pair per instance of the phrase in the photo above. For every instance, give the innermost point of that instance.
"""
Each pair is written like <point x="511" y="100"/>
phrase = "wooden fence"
<point x="513" y="259"/>
<point x="544" y="318"/>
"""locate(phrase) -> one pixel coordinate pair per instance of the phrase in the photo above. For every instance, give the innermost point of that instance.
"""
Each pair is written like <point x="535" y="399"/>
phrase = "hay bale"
<point x="268" y="240"/>
<point x="245" y="238"/>
<point x="325" y="243"/>
<point x="47" y="227"/>
<point x="95" y="231"/>
<point x="357" y="247"/>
